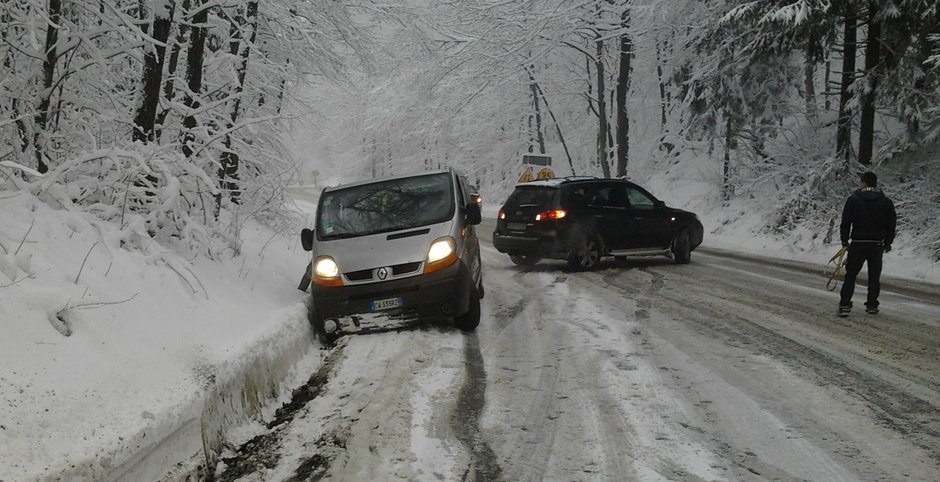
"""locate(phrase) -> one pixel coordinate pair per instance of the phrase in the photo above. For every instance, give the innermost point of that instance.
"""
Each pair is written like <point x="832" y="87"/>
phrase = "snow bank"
<point x="113" y="343"/>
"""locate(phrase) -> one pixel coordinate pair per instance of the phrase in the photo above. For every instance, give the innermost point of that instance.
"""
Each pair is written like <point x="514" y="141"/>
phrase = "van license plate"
<point x="516" y="226"/>
<point x="379" y="305"/>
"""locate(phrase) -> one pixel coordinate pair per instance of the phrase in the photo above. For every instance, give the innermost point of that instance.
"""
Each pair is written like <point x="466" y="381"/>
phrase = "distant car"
<point x="582" y="219"/>
<point x="476" y="197"/>
<point x="390" y="251"/>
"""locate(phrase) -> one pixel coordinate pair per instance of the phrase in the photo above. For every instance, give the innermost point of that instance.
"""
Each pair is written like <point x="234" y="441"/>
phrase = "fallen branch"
<point x="79" y="275"/>
<point x="31" y="223"/>
<point x="20" y="167"/>
<point x="15" y="282"/>
<point x="99" y="304"/>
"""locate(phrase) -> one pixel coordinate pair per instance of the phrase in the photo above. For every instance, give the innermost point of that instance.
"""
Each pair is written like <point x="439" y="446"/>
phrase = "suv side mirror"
<point x="659" y="204"/>
<point x="474" y="216"/>
<point x="306" y="239"/>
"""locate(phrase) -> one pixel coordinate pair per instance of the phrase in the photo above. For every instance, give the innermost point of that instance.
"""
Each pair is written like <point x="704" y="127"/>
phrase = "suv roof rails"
<point x="574" y="178"/>
<point x="558" y="180"/>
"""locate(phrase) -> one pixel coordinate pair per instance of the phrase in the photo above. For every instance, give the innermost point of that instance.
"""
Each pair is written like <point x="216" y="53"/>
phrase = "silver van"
<point x="388" y="252"/>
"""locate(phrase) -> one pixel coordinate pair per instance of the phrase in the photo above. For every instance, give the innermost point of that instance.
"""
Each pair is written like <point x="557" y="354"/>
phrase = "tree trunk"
<point x="623" y="87"/>
<point x="843" y="137"/>
<point x="142" y="15"/>
<point x="662" y="88"/>
<point x="561" y="136"/>
<point x="48" y="75"/>
<point x="169" y="87"/>
<point x="153" y="73"/>
<point x="601" y="110"/>
<point x="194" y="61"/>
<point x="228" y="170"/>
<point x="22" y="131"/>
<point x="866" y="129"/>
<point x="809" y="83"/>
<point x="539" y="137"/>
<point x="726" y="189"/>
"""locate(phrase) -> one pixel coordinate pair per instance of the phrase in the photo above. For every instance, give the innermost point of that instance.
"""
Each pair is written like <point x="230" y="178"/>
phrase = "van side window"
<point x="462" y="194"/>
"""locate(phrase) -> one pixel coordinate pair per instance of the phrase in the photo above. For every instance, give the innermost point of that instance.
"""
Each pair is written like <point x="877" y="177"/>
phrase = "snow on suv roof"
<point x="556" y="181"/>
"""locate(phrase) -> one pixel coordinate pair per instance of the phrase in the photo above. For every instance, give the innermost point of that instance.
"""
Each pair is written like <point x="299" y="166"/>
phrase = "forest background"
<point x="179" y="120"/>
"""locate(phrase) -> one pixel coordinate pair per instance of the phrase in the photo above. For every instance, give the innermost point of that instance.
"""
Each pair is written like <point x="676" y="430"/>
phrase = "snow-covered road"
<point x="722" y="369"/>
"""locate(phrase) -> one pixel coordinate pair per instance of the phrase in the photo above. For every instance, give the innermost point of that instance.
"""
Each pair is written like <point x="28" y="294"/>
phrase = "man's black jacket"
<point x="868" y="216"/>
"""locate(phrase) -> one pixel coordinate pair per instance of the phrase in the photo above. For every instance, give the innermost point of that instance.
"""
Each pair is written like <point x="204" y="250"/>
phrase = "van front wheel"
<point x="318" y="328"/>
<point x="471" y="319"/>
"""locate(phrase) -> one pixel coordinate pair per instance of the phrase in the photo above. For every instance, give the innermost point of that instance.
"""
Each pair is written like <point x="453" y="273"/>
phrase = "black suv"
<point x="582" y="219"/>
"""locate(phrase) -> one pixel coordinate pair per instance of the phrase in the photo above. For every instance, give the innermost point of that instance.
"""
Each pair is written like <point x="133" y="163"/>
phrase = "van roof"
<point x="386" y="178"/>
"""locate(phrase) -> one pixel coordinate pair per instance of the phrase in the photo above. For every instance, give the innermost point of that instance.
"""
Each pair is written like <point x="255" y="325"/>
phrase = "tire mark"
<point x="465" y="420"/>
<point x="902" y="412"/>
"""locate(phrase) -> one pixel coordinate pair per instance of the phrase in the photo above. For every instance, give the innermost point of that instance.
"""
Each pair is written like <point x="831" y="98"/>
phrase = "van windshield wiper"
<point x="341" y="235"/>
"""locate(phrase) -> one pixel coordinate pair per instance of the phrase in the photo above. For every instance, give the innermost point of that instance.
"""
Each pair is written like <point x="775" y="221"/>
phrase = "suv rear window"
<point x="532" y="197"/>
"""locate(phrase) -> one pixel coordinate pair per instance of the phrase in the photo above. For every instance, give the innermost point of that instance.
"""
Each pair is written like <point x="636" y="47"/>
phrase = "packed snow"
<point x="112" y="343"/>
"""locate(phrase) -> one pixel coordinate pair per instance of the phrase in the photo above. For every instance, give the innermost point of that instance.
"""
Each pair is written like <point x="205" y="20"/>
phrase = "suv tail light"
<point x="547" y="215"/>
<point x="502" y="214"/>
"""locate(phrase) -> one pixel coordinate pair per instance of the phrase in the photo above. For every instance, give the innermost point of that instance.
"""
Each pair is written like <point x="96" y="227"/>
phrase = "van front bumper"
<point x="440" y="294"/>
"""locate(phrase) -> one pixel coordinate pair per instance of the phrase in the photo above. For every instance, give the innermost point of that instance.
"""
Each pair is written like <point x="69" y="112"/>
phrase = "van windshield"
<point x="385" y="206"/>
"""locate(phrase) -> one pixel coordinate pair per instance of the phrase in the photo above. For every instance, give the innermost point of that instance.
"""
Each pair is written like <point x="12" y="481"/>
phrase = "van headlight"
<point x="441" y="254"/>
<point x="326" y="272"/>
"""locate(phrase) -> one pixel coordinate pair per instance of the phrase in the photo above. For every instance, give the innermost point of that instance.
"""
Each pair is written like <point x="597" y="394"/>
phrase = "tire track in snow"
<point x="465" y="421"/>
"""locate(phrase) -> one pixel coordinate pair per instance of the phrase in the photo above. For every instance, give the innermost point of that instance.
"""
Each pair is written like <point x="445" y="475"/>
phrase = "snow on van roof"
<point x="385" y="178"/>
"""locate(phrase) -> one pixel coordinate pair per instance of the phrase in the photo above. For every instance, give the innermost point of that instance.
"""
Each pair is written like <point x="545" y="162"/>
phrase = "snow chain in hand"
<point x="838" y="261"/>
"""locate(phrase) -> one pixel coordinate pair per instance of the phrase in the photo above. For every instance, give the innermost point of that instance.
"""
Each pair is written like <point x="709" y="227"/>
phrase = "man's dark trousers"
<point x="859" y="253"/>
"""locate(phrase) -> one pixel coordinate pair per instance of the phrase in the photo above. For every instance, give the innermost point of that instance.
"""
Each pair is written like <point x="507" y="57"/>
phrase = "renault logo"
<point x="382" y="273"/>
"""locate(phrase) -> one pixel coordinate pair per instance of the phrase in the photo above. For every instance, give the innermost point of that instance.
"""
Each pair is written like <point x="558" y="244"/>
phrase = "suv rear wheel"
<point x="525" y="259"/>
<point x="585" y="252"/>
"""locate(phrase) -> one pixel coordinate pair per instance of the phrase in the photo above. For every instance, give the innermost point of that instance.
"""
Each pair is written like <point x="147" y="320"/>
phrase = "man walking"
<point x="869" y="221"/>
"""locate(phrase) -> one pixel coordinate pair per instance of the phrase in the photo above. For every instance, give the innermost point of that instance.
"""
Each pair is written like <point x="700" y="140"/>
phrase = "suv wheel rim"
<point x="589" y="255"/>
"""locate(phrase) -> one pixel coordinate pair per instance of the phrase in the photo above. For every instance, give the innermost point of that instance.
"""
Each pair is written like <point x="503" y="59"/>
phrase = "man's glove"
<point x="887" y="248"/>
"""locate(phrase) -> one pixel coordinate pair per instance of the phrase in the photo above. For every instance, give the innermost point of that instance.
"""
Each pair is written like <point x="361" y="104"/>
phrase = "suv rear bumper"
<point x="441" y="294"/>
<point x="546" y="245"/>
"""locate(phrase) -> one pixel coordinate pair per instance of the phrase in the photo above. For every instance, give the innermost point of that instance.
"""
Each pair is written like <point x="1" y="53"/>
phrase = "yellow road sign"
<point x="546" y="173"/>
<point x="527" y="175"/>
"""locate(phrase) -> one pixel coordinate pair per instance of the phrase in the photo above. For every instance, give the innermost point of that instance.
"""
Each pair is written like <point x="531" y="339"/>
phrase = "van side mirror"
<point x="306" y="239"/>
<point x="659" y="204"/>
<point x="474" y="215"/>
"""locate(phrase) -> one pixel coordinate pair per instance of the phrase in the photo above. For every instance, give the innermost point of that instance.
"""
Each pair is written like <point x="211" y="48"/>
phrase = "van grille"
<point x="362" y="275"/>
<point x="405" y="268"/>
<point x="369" y="274"/>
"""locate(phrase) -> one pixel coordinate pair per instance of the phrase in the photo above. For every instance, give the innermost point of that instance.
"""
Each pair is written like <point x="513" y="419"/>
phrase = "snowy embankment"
<point x="121" y="358"/>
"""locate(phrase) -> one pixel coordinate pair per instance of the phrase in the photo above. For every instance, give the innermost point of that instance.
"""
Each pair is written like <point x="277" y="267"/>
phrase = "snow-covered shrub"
<point x="154" y="192"/>
<point x="910" y="180"/>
